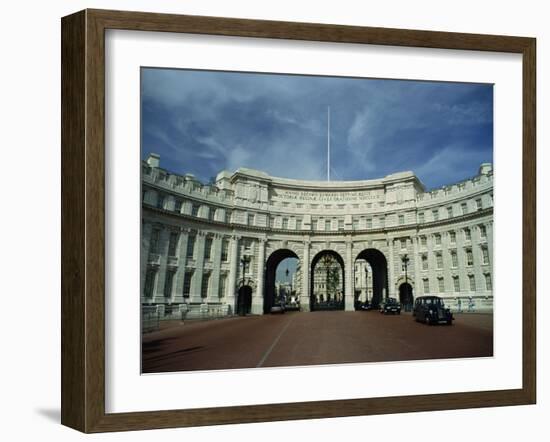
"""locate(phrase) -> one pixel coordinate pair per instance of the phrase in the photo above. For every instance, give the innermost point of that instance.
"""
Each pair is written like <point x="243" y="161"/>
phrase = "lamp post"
<point x="405" y="261"/>
<point x="245" y="260"/>
<point x="366" y="283"/>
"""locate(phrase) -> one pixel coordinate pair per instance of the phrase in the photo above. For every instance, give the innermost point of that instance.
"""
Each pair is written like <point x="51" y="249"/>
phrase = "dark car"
<point x="432" y="310"/>
<point x="390" y="305"/>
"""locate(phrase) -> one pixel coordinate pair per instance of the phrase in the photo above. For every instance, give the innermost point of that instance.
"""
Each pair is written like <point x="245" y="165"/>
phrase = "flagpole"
<point x="328" y="143"/>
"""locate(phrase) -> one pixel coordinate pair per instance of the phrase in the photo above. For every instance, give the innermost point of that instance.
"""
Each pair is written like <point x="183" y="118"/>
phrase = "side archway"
<point x="270" y="275"/>
<point x="406" y="297"/>
<point x="379" y="265"/>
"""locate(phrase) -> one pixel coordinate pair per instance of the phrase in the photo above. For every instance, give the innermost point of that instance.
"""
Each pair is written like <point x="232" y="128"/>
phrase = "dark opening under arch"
<point x="270" y="275"/>
<point x="327" y="291"/>
<point x="379" y="266"/>
<point x="244" y="300"/>
<point x="406" y="296"/>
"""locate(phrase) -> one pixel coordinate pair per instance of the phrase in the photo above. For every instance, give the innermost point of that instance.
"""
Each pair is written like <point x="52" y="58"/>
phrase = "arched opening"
<point x="244" y="300"/>
<point x="376" y="275"/>
<point x="406" y="296"/>
<point x="363" y="285"/>
<point x="282" y="281"/>
<point x="327" y="281"/>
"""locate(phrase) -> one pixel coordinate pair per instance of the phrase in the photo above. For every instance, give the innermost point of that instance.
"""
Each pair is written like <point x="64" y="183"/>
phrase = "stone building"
<point x="216" y="247"/>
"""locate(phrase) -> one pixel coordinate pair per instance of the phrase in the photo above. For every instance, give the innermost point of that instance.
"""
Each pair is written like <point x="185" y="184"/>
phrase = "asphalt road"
<point x="294" y="338"/>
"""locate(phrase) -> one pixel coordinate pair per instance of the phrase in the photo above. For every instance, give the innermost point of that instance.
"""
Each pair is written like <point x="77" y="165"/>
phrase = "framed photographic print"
<point x="269" y="220"/>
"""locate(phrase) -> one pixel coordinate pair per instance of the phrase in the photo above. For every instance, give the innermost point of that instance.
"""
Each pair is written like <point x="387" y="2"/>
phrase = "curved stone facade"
<point x="195" y="236"/>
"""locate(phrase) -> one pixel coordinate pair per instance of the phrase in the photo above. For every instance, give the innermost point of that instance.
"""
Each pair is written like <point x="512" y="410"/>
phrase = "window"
<point x="454" y="258"/>
<point x="204" y="286"/>
<point x="369" y="223"/>
<point x="168" y="283"/>
<point x="464" y="208"/>
<point x="483" y="232"/>
<point x="450" y="211"/>
<point x="424" y="262"/>
<point x="191" y="246"/>
<point x="195" y="210"/>
<point x="437" y="237"/>
<point x="299" y="224"/>
<point x="154" y="243"/>
<point x="187" y="283"/>
<point x="426" y="284"/>
<point x="439" y="260"/>
<point x="467" y="234"/>
<point x="222" y="285"/>
<point x="469" y="257"/>
<point x="401" y="219"/>
<point x="207" y="248"/>
<point x="456" y="283"/>
<point x="485" y="254"/>
<point x="340" y="224"/>
<point x="285" y="223"/>
<point x="423" y="241"/>
<point x="160" y="201"/>
<point x="452" y="236"/>
<point x="421" y="217"/>
<point x="488" y="282"/>
<point x="382" y="221"/>
<point x="250" y="219"/>
<point x="327" y="224"/>
<point x="149" y="283"/>
<point x="173" y="243"/>
<point x="440" y="284"/>
<point x="403" y="242"/>
<point x="177" y="205"/>
<point x="479" y="205"/>
<point x="314" y="224"/>
<point x="355" y="224"/>
<point x="435" y="215"/>
<point x="472" y="283"/>
<point x="225" y="250"/>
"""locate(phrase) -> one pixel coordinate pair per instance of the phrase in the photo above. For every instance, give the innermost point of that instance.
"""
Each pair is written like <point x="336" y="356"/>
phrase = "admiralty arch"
<point x="214" y="248"/>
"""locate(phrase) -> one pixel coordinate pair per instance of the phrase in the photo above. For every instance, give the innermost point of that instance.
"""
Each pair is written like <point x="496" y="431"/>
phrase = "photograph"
<point x="298" y="220"/>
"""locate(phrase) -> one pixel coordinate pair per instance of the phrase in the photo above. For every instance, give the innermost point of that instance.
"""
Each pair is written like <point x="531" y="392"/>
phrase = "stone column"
<point x="196" y="286"/>
<point x="231" y="287"/>
<point x="146" y="229"/>
<point x="391" y="270"/>
<point x="216" y="256"/>
<point x="489" y="227"/>
<point x="349" y="298"/>
<point x="182" y="261"/>
<point x="478" y="259"/>
<point x="158" y="296"/>
<point x="417" y="277"/>
<point x="462" y="261"/>
<point x="306" y="277"/>
<point x="258" y="298"/>
<point x="447" y="263"/>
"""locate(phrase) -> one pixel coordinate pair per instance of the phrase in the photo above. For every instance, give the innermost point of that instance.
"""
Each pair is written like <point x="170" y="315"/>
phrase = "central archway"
<point x="379" y="269"/>
<point x="272" y="263"/>
<point x="327" y="281"/>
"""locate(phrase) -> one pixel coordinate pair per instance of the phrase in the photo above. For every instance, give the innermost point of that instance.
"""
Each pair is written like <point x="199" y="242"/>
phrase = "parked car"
<point x="366" y="306"/>
<point x="432" y="310"/>
<point x="278" y="308"/>
<point x="390" y="305"/>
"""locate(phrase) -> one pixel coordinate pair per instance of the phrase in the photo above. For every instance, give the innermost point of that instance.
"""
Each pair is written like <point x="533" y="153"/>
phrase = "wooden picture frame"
<point x="83" y="220"/>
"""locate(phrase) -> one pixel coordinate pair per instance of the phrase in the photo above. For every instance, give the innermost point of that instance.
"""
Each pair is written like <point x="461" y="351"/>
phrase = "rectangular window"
<point x="225" y="250"/>
<point x="435" y="214"/>
<point x="467" y="234"/>
<point x="421" y="217"/>
<point x="173" y="244"/>
<point x="403" y="242"/>
<point x="464" y="208"/>
<point x="191" y="246"/>
<point x="452" y="236"/>
<point x="423" y="241"/>
<point x="250" y="219"/>
<point x="485" y="254"/>
<point x="207" y="248"/>
<point x="488" y="282"/>
<point x="315" y="224"/>
<point x="424" y="262"/>
<point x="149" y="283"/>
<point x="355" y="223"/>
<point x="327" y="224"/>
<point x="401" y="219"/>
<point x="479" y="205"/>
<point x="426" y="283"/>
<point x="454" y="258"/>
<point x="382" y="221"/>
<point x="223" y="280"/>
<point x="204" y="286"/>
<point x="195" y="210"/>
<point x="160" y="201"/>
<point x="472" y="283"/>
<point x="177" y="206"/>
<point x="450" y="211"/>
<point x="456" y="283"/>
<point x="483" y="232"/>
<point x="439" y="260"/>
<point x="187" y="283"/>
<point x="469" y="257"/>
<point x="154" y="243"/>
<point x="369" y="223"/>
<point x="437" y="239"/>
<point x="340" y="224"/>
<point x="168" y="283"/>
<point x="299" y="224"/>
<point x="441" y="284"/>
<point x="285" y="223"/>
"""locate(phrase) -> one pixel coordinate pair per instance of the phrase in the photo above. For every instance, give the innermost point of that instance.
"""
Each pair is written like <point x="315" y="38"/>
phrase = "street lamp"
<point x="405" y="260"/>
<point x="245" y="260"/>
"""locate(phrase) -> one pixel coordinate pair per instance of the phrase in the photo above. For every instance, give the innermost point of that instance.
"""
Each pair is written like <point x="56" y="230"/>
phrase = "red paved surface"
<point x="310" y="339"/>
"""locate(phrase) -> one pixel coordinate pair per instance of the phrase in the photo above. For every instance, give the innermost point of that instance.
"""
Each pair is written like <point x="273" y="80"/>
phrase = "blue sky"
<point x="202" y="122"/>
